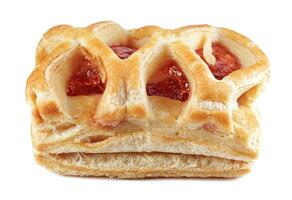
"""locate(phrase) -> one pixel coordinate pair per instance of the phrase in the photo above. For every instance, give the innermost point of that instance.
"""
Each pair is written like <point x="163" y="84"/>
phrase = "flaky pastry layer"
<point x="142" y="165"/>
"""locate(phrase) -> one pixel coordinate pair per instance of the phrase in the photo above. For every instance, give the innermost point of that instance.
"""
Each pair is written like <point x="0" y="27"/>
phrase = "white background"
<point x="267" y="23"/>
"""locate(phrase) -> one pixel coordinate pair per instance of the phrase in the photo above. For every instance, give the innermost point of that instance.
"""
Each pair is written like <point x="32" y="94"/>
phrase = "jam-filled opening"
<point x="169" y="81"/>
<point x="226" y="62"/>
<point x="86" y="78"/>
<point x="123" y="51"/>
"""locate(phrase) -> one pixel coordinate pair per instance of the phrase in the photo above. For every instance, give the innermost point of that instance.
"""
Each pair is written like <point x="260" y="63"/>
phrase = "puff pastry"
<point x="111" y="120"/>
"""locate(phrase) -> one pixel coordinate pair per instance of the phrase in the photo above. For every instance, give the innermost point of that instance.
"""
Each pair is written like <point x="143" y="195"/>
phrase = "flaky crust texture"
<point x="125" y="119"/>
<point x="142" y="165"/>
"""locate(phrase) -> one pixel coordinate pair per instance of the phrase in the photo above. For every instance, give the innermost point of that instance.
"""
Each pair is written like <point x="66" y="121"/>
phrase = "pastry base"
<point x="142" y="165"/>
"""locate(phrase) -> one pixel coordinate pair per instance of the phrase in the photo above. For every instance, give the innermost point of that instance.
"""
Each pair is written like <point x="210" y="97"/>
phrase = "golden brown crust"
<point x="124" y="118"/>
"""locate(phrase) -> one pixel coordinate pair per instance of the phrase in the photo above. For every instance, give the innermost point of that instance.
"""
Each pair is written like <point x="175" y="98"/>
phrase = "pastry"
<point x="146" y="102"/>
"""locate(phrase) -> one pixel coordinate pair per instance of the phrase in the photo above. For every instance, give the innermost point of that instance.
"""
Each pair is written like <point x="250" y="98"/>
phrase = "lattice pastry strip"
<point x="146" y="90"/>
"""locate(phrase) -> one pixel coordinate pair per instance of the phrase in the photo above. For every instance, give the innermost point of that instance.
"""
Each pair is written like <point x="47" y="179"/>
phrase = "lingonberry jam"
<point x="169" y="81"/>
<point x="123" y="52"/>
<point x="86" y="79"/>
<point x="226" y="62"/>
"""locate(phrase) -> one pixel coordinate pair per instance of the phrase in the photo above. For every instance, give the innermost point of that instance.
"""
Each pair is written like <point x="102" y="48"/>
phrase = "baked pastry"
<point x="147" y="102"/>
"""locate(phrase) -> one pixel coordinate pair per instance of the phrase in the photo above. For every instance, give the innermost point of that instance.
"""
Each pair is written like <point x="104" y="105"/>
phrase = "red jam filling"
<point x="86" y="79"/>
<point x="226" y="62"/>
<point x="122" y="52"/>
<point x="169" y="81"/>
